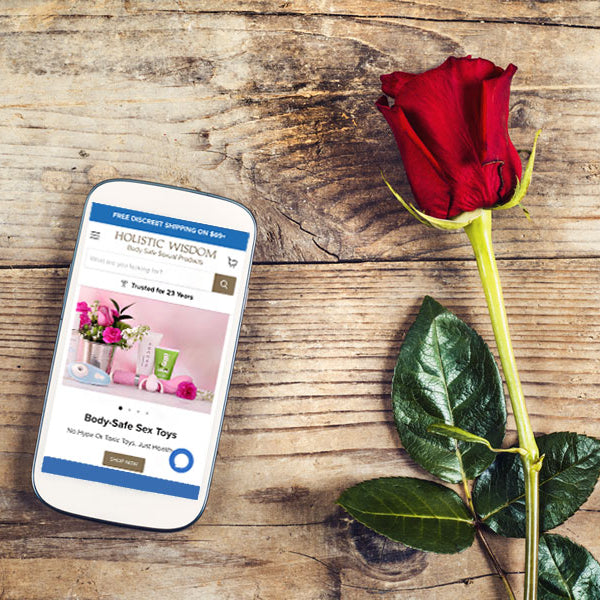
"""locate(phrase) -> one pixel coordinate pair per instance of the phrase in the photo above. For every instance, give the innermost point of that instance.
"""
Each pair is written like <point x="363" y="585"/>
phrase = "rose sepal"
<point x="458" y="222"/>
<point x="523" y="184"/>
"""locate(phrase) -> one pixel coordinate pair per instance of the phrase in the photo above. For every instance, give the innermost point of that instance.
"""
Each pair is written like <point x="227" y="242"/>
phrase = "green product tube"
<point x="164" y="361"/>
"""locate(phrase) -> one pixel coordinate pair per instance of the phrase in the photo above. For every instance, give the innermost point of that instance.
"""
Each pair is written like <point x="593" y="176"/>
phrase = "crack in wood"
<point x="343" y="261"/>
<point x="538" y="22"/>
<point x="313" y="235"/>
<point x="464" y="581"/>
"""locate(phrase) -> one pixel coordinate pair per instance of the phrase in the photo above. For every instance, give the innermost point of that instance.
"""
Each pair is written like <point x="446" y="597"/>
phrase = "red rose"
<point x="451" y="125"/>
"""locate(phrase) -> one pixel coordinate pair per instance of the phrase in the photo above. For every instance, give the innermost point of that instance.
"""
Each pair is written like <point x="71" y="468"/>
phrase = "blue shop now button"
<point x="126" y="479"/>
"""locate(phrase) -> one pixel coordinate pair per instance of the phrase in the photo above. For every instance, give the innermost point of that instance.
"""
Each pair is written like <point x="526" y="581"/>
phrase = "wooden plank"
<point x="557" y="12"/>
<point x="277" y="112"/>
<point x="308" y="415"/>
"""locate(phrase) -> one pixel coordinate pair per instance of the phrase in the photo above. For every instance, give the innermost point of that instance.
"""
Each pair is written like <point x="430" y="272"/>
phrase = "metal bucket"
<point x="97" y="354"/>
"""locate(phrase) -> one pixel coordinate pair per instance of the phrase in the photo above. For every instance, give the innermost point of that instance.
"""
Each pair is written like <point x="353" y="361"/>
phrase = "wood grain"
<point x="554" y="12"/>
<point x="308" y="415"/>
<point x="271" y="103"/>
<point x="276" y="110"/>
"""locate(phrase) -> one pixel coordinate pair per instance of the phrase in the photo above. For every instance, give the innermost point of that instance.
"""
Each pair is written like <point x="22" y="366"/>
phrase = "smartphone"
<point x="144" y="355"/>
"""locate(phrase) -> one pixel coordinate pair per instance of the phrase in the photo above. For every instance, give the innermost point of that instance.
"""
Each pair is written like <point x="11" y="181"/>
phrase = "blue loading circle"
<point x="187" y="454"/>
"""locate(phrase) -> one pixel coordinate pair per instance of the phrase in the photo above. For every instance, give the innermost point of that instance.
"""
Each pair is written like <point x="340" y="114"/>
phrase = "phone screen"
<point x="139" y="387"/>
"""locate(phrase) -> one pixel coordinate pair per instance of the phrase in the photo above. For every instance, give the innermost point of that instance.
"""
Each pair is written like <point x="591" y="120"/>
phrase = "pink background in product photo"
<point x="198" y="334"/>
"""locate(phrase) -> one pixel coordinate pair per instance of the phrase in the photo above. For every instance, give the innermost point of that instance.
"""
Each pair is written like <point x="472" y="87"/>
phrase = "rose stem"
<point x="499" y="570"/>
<point x="480" y="236"/>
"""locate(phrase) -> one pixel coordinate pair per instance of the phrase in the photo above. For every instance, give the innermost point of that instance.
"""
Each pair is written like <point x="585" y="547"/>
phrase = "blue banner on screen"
<point x="134" y="481"/>
<point x="187" y="230"/>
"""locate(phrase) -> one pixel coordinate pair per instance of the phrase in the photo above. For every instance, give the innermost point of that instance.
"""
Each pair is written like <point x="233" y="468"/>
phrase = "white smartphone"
<point x="144" y="355"/>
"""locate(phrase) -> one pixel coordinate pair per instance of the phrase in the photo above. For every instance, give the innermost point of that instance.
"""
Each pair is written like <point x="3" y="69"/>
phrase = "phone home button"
<point x="181" y="460"/>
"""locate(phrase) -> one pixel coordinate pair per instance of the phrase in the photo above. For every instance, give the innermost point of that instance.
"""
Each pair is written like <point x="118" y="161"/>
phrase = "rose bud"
<point x="451" y="126"/>
<point x="105" y="316"/>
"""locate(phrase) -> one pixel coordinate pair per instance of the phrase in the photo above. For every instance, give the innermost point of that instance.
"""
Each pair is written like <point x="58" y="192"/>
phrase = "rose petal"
<point x="429" y="188"/>
<point x="496" y="143"/>
<point x="393" y="82"/>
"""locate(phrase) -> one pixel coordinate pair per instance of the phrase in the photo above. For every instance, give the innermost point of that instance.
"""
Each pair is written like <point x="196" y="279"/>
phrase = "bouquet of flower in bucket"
<point x="451" y="126"/>
<point x="105" y="325"/>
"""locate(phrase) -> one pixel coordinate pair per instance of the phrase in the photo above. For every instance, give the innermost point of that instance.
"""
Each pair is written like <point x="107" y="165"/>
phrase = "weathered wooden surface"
<point x="271" y="103"/>
<point x="584" y="13"/>
<point x="277" y="111"/>
<point x="308" y="415"/>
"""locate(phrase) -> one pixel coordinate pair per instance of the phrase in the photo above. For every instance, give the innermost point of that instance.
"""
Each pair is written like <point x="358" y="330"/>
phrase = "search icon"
<point x="223" y="284"/>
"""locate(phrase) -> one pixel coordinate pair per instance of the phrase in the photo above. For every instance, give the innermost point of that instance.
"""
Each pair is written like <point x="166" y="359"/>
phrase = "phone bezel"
<point x="114" y="504"/>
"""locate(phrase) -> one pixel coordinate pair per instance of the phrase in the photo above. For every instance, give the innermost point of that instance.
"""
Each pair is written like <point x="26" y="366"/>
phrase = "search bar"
<point x="158" y="272"/>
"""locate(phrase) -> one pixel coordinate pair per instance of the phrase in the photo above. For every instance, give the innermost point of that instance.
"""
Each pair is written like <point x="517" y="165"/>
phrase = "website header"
<point x="178" y="228"/>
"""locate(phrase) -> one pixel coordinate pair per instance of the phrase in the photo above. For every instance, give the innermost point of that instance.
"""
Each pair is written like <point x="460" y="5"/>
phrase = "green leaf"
<point x="569" y="472"/>
<point x="456" y="433"/>
<point x="115" y="305"/>
<point x="566" y="570"/>
<point x="421" y="514"/>
<point x="446" y="374"/>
